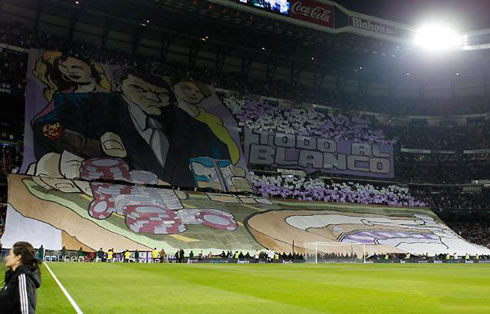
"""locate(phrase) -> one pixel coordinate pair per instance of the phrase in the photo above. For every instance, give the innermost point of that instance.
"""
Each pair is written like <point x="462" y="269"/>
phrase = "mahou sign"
<point x="313" y="12"/>
<point x="371" y="26"/>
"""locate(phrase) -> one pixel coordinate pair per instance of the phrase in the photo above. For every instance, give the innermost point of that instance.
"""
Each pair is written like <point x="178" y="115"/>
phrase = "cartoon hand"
<point x="112" y="145"/>
<point x="55" y="171"/>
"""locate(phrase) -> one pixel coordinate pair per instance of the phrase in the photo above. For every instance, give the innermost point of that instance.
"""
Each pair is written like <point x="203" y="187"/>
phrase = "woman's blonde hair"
<point x="46" y="70"/>
<point x="202" y="87"/>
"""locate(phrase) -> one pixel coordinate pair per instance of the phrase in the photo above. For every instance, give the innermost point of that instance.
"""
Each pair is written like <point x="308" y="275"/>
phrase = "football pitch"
<point x="266" y="288"/>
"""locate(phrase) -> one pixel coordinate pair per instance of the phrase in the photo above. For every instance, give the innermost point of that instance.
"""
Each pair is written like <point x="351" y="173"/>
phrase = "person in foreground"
<point x="19" y="295"/>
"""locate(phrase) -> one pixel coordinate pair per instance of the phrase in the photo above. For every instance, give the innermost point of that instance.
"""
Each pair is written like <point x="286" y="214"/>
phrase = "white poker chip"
<point x="105" y="162"/>
<point x="143" y="177"/>
<point x="217" y="220"/>
<point x="188" y="216"/>
<point x="148" y="209"/>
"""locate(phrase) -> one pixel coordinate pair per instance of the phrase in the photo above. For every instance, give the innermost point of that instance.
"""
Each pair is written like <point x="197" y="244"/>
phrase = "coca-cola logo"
<point x="314" y="12"/>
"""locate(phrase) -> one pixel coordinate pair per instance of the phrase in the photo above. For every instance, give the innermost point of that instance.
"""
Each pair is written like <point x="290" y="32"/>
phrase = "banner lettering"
<point x="313" y="154"/>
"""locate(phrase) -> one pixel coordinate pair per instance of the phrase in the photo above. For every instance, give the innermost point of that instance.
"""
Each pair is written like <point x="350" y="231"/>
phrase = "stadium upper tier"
<point x="455" y="146"/>
<point x="268" y="58"/>
<point x="106" y="127"/>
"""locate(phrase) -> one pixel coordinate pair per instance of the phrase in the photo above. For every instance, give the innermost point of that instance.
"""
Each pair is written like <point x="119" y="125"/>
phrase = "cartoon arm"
<point x="78" y="124"/>
<point x="216" y="125"/>
<point x="51" y="136"/>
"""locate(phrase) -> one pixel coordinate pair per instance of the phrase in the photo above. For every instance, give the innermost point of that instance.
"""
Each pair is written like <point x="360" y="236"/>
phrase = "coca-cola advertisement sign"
<point x="313" y="12"/>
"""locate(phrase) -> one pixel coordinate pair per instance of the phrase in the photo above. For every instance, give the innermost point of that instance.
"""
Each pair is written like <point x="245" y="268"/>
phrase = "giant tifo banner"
<point x="56" y="212"/>
<point x="100" y="122"/>
<point x="314" y="12"/>
<point x="311" y="154"/>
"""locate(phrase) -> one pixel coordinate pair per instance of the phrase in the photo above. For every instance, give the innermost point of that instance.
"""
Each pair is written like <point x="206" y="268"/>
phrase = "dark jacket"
<point x="19" y="295"/>
<point x="93" y="114"/>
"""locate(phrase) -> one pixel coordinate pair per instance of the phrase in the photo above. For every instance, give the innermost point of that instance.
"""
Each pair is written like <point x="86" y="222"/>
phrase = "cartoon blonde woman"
<point x="62" y="73"/>
<point x="189" y="94"/>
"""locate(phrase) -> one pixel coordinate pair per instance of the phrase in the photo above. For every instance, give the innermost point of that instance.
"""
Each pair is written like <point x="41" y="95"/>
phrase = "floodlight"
<point x="437" y="37"/>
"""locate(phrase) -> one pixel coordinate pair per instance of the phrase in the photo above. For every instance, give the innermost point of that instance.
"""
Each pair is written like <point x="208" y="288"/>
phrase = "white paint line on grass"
<point x="228" y="268"/>
<point x="68" y="296"/>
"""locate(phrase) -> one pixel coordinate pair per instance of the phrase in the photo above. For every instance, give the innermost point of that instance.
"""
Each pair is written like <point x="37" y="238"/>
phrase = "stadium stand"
<point x="473" y="231"/>
<point x="221" y="132"/>
<point x="290" y="186"/>
<point x="12" y="72"/>
<point x="452" y="197"/>
<point x="21" y="36"/>
<point x="411" y="168"/>
<point x="454" y="138"/>
<point x="264" y="116"/>
<point x="342" y="121"/>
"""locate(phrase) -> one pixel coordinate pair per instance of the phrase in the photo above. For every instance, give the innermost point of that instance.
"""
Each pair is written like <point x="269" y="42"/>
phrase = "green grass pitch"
<point x="267" y="288"/>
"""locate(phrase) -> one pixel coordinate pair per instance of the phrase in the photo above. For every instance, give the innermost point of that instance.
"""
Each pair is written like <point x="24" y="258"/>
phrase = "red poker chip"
<point x="104" y="191"/>
<point x="101" y="175"/>
<point x="150" y="217"/>
<point x="104" y="168"/>
<point x="97" y="171"/>
<point x="217" y="220"/>
<point x="110" y="189"/>
<point x="156" y="218"/>
<point x="101" y="209"/>
<point x="165" y="222"/>
<point x="127" y="189"/>
<point x="149" y="211"/>
<point x="105" y="163"/>
<point x="138" y="200"/>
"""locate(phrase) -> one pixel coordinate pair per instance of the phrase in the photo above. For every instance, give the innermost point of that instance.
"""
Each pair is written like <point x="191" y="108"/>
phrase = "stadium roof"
<point x="468" y="14"/>
<point x="218" y="29"/>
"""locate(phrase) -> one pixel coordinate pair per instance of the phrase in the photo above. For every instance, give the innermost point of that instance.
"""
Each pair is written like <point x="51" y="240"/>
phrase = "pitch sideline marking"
<point x="229" y="268"/>
<point x="68" y="296"/>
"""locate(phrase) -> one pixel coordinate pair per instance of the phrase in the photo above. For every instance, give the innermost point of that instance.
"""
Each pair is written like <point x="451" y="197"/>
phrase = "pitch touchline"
<point x="68" y="296"/>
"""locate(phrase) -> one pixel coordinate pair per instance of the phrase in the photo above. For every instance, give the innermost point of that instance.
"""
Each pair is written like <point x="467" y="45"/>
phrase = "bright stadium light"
<point x="437" y="37"/>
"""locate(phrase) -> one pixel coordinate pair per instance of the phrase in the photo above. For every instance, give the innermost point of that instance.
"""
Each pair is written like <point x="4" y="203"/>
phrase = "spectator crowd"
<point x="452" y="138"/>
<point x="10" y="158"/>
<point x="442" y="173"/>
<point x="3" y="215"/>
<point x="474" y="232"/>
<point x="452" y="197"/>
<point x="12" y="71"/>
<point x="267" y="116"/>
<point x="11" y="131"/>
<point x="272" y="116"/>
<point x="308" y="189"/>
<point x="473" y="227"/>
<point x="22" y="36"/>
